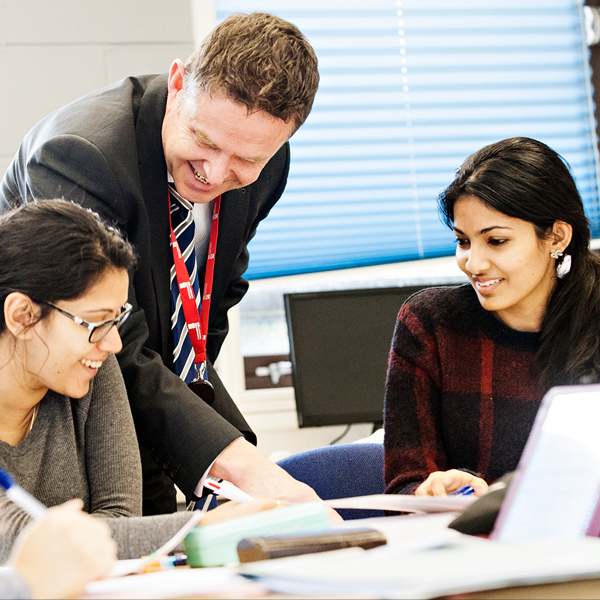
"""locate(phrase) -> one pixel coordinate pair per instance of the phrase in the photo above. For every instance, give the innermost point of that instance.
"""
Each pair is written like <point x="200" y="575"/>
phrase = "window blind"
<point x="409" y="89"/>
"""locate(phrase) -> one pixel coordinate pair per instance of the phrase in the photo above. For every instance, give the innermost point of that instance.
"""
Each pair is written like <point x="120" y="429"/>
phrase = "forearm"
<point x="181" y="432"/>
<point x="139" y="536"/>
<point x="413" y="446"/>
<point x="413" y="435"/>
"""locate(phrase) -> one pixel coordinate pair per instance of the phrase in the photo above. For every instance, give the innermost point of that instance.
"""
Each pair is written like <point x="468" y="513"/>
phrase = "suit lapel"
<point x="153" y="172"/>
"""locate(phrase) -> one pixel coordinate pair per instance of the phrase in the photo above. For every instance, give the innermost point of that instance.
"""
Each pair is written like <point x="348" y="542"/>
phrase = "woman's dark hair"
<point x="526" y="179"/>
<point x="55" y="250"/>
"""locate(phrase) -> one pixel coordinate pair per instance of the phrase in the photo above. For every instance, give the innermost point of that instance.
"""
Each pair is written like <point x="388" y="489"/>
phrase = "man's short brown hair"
<point x="259" y="60"/>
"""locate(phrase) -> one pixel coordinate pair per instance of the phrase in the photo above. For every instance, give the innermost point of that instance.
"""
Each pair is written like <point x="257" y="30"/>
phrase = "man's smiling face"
<point x="211" y="143"/>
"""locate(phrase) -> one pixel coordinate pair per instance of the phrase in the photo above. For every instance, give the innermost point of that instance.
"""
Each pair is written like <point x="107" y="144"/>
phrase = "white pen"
<point x="34" y="508"/>
<point x="226" y="489"/>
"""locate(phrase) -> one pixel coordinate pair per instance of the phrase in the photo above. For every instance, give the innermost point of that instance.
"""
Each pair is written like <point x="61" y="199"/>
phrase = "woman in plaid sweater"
<point x="469" y="365"/>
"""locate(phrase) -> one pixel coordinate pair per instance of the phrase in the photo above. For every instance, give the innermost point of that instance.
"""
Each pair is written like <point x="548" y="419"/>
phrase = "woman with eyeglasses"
<point x="66" y="429"/>
<point x="469" y="365"/>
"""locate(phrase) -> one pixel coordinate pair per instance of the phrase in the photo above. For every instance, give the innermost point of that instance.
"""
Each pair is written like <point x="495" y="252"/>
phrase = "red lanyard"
<point x="197" y="323"/>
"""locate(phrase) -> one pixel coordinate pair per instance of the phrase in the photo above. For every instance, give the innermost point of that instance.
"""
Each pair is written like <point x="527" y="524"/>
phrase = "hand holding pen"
<point x="62" y="550"/>
<point x="60" y="553"/>
<point x="454" y="481"/>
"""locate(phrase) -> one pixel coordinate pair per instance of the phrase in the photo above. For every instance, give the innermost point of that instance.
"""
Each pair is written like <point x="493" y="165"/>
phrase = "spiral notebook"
<point x="555" y="490"/>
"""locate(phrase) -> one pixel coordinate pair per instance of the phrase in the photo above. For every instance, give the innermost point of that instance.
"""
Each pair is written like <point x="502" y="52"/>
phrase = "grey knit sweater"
<point x="86" y="448"/>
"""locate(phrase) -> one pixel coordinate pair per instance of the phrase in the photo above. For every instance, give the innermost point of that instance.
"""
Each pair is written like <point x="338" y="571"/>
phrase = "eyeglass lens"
<point x="102" y="330"/>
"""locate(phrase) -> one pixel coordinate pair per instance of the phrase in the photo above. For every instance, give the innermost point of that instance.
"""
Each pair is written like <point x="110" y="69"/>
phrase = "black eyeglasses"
<point x="97" y="330"/>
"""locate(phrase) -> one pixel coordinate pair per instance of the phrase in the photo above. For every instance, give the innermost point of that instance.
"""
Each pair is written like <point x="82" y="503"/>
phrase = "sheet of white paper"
<point x="466" y="565"/>
<point x="424" y="504"/>
<point x="175" y="583"/>
<point x="125" y="567"/>
<point x="402" y="528"/>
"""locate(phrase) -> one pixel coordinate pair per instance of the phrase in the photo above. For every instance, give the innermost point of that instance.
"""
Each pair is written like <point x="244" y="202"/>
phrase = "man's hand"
<point x="441" y="483"/>
<point x="249" y="469"/>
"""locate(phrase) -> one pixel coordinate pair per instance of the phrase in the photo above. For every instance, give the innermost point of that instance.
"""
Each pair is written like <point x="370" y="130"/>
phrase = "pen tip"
<point x="6" y="479"/>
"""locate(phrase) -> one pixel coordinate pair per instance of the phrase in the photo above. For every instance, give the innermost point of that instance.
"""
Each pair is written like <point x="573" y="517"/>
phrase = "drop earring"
<point x="564" y="266"/>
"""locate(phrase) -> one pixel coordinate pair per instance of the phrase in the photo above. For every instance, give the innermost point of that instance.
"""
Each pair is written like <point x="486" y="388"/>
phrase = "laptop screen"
<point x="555" y="489"/>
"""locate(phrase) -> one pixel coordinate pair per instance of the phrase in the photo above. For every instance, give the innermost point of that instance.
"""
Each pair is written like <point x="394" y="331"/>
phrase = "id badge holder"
<point x="201" y="386"/>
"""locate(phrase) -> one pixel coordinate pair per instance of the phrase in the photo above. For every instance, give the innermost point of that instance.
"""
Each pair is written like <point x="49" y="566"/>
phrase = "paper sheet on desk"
<point x="467" y="565"/>
<point x="176" y="583"/>
<point x="424" y="504"/>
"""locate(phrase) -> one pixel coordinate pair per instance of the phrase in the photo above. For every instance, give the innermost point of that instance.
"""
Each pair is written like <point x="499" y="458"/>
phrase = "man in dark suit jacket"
<point x="218" y="125"/>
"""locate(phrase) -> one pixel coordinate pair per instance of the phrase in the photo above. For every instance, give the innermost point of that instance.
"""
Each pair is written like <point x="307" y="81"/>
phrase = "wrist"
<point x="236" y="460"/>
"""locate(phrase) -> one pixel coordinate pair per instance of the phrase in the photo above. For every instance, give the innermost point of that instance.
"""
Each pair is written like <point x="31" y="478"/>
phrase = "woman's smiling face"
<point x="58" y="354"/>
<point x="508" y="265"/>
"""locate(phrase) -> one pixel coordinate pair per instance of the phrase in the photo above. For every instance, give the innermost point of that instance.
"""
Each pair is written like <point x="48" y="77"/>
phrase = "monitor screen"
<point x="339" y="348"/>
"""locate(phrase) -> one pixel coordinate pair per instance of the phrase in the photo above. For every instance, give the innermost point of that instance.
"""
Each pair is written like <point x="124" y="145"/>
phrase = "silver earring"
<point x="556" y="254"/>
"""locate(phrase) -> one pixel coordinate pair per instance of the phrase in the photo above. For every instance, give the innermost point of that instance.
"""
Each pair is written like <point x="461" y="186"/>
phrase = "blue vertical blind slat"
<point x="410" y="88"/>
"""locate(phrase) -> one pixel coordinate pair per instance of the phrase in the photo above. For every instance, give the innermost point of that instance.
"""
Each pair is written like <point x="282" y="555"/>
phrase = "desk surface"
<point x="585" y="588"/>
<point x="363" y="571"/>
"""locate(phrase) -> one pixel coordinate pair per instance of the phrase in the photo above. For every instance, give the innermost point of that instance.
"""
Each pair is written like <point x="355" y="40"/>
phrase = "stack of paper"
<point x="439" y="568"/>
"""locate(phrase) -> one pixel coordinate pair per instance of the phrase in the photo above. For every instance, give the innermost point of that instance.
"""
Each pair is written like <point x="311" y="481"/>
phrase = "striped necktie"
<point x="183" y="226"/>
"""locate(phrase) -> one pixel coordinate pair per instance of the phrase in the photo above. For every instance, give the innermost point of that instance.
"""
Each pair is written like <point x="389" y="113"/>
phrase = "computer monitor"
<point x="339" y="348"/>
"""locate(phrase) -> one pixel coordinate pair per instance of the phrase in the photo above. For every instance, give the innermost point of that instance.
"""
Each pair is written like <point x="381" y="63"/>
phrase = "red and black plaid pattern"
<point x="460" y="392"/>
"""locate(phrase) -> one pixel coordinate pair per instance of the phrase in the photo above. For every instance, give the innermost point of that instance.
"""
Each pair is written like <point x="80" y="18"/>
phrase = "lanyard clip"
<point x="201" y="371"/>
<point x="201" y="386"/>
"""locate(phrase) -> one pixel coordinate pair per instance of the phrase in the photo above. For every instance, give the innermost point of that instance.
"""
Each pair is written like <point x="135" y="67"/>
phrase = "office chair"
<point x="341" y="471"/>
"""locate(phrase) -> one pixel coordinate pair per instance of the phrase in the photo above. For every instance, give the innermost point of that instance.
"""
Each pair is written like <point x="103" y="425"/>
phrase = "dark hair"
<point x="55" y="250"/>
<point x="526" y="179"/>
<point x="259" y="60"/>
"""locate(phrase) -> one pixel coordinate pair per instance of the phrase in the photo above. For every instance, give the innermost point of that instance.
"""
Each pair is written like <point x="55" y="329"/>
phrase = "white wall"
<point x="52" y="52"/>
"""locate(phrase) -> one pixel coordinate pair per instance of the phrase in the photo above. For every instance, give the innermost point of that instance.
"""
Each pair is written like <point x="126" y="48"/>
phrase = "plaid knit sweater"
<point x="460" y="393"/>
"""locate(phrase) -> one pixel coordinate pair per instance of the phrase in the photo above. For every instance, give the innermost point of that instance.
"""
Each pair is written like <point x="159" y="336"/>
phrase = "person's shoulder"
<point x="107" y="383"/>
<point x="128" y="87"/>
<point x="449" y="306"/>
<point x="109" y="374"/>
<point x="107" y="105"/>
<point x="440" y="299"/>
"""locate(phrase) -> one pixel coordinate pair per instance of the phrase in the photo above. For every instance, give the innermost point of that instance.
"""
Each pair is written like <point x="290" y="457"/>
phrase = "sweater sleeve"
<point x="140" y="536"/>
<point x="114" y="470"/>
<point x="112" y="457"/>
<point x="413" y="437"/>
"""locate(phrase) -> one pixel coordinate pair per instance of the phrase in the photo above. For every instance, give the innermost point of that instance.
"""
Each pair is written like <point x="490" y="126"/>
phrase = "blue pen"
<point x="20" y="497"/>
<point x="466" y="490"/>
